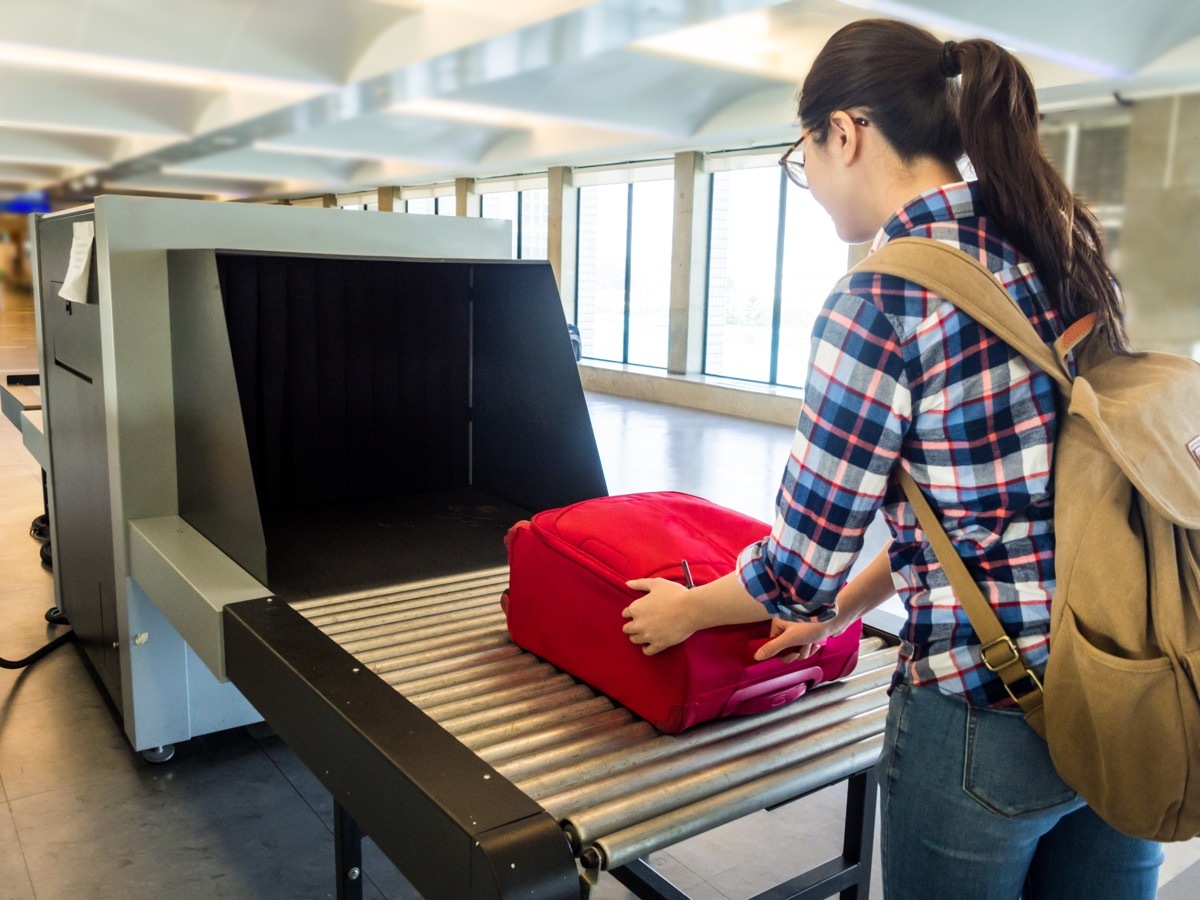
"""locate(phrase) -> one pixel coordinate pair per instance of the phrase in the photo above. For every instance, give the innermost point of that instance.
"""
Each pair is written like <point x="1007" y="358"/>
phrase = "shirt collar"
<point x="941" y="204"/>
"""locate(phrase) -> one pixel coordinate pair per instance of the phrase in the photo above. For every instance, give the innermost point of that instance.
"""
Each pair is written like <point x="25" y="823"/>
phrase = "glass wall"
<point x="600" y="292"/>
<point x="529" y="211"/>
<point x="742" y="255"/>
<point x="773" y="257"/>
<point x="814" y="260"/>
<point x="623" y="292"/>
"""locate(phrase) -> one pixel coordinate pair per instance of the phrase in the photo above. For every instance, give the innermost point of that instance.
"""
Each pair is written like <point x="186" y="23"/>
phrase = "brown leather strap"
<point x="973" y="288"/>
<point x="1000" y="653"/>
<point x="969" y="285"/>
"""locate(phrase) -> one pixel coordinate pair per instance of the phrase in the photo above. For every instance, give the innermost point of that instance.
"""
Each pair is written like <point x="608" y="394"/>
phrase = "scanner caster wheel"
<point x="159" y="754"/>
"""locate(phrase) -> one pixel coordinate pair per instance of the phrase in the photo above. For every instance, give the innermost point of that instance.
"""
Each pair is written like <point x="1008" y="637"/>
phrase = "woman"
<point x="971" y="805"/>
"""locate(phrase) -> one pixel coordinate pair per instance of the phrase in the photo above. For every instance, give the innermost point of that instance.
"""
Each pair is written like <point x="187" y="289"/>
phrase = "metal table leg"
<point x="848" y="876"/>
<point x="347" y="839"/>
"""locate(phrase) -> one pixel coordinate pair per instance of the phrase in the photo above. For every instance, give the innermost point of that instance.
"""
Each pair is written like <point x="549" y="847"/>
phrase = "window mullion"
<point x="777" y="305"/>
<point x="628" y="269"/>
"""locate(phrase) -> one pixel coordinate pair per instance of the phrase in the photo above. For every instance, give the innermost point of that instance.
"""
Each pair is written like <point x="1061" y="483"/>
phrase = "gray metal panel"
<point x="33" y="436"/>
<point x="216" y="484"/>
<point x="191" y="581"/>
<point x="77" y="436"/>
<point x="16" y="398"/>
<point x="132" y="237"/>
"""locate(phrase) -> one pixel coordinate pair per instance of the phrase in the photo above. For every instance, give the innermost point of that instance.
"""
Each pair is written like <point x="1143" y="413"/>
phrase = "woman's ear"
<point x="844" y="134"/>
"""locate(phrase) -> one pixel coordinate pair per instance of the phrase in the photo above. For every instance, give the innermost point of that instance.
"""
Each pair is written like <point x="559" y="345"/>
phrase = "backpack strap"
<point x="973" y="288"/>
<point x="999" y="651"/>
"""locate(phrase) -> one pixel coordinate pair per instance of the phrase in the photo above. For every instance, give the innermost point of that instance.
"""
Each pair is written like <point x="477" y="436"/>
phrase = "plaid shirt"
<point x="900" y="376"/>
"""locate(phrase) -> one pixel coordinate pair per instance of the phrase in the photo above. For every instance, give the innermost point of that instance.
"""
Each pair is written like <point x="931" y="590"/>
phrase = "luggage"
<point x="567" y="590"/>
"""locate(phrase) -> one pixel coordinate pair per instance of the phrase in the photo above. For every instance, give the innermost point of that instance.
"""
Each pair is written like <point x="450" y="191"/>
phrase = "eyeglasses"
<point x="792" y="162"/>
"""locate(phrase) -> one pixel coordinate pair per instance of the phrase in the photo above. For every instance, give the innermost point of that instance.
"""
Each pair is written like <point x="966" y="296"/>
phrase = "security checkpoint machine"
<point x="284" y="447"/>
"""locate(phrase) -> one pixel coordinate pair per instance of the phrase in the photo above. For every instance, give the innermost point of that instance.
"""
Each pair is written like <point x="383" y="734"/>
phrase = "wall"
<point x="1160" y="237"/>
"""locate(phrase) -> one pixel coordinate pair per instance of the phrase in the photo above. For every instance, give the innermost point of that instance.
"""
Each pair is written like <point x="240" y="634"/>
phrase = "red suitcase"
<point x="567" y="589"/>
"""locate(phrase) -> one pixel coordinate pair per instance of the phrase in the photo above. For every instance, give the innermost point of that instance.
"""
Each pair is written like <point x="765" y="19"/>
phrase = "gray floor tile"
<point x="14" y="876"/>
<point x="218" y="821"/>
<point x="723" y="848"/>
<point x="1183" y="886"/>
<point x="383" y="875"/>
<point x="666" y="865"/>
<point x="298" y="775"/>
<point x="61" y="676"/>
<point x="48" y="745"/>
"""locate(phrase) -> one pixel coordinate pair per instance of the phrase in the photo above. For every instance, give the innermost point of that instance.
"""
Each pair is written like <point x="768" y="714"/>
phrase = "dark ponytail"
<point x="902" y="77"/>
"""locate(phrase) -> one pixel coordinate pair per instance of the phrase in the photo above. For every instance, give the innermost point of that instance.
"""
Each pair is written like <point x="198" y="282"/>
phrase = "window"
<point x="535" y="223"/>
<point x="743" y="249"/>
<point x="814" y="260"/>
<point x="425" y="206"/>
<point x="623" y="292"/>
<point x="650" y="272"/>
<point x="529" y="211"/>
<point x="600" y="294"/>
<point x="447" y="206"/>
<point x="773" y="257"/>
<point x="504" y="205"/>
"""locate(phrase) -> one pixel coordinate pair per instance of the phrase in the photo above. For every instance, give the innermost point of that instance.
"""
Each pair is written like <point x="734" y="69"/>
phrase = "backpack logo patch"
<point x="1194" y="449"/>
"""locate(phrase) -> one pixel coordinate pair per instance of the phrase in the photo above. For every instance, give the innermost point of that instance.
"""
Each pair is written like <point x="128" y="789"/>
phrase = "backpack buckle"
<point x="1014" y="655"/>
<point x="1013" y="658"/>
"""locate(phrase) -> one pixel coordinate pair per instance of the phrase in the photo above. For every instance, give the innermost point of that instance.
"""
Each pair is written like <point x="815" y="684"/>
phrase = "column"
<point x="562" y="233"/>
<point x="1156" y="252"/>
<point x="689" y="253"/>
<point x="386" y="198"/>
<point x="466" y="201"/>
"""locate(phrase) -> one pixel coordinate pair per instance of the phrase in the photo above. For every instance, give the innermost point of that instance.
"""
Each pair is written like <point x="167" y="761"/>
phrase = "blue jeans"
<point x="972" y="809"/>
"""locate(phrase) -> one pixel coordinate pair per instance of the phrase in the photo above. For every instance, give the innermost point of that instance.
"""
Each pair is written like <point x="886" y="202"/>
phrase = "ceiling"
<point x="294" y="98"/>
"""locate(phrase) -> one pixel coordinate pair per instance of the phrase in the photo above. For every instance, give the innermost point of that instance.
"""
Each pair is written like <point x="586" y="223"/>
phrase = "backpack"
<point x="1120" y="705"/>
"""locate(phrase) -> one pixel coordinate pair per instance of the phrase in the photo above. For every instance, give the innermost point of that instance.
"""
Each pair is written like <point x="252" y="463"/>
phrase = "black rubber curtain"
<point x="352" y="375"/>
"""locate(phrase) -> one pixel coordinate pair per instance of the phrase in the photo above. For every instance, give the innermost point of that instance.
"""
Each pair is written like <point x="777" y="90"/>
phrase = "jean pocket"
<point x="1008" y="767"/>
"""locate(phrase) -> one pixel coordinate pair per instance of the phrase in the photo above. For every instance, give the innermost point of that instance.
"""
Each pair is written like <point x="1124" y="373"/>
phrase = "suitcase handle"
<point x="769" y="694"/>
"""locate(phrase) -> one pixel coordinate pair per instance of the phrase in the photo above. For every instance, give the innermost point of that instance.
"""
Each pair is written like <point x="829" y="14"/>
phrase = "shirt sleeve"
<point x="856" y="411"/>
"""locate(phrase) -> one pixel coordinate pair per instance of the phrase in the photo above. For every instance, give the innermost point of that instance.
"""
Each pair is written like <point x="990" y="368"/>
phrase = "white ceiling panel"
<point x="236" y="98"/>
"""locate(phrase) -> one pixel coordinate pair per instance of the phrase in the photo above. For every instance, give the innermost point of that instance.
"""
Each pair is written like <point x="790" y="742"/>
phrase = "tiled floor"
<point x="236" y="814"/>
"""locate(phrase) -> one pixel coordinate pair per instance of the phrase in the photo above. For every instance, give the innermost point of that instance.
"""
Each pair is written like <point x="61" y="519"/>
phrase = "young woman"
<point x="972" y="807"/>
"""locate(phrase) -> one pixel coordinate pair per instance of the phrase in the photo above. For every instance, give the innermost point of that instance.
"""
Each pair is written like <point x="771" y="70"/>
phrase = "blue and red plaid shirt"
<point x="900" y="376"/>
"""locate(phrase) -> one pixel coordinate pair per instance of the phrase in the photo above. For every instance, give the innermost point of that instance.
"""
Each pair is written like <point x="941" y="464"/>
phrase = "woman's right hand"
<point x="790" y="641"/>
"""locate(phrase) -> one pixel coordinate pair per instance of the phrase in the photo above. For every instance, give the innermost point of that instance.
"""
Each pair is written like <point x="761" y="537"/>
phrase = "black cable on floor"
<point x="39" y="653"/>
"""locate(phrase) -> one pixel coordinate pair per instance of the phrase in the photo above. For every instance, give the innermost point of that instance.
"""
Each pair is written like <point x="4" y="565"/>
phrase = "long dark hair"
<point x="902" y="77"/>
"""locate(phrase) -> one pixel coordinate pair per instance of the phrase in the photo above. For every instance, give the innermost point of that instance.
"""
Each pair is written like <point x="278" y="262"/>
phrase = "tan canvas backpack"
<point x="1120" y="706"/>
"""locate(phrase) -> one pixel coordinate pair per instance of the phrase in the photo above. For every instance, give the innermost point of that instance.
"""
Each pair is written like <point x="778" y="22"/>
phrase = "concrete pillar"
<point x="329" y="201"/>
<point x="562" y="235"/>
<point x="1158" y="260"/>
<point x="386" y="198"/>
<point x="689" y="255"/>
<point x="466" y="201"/>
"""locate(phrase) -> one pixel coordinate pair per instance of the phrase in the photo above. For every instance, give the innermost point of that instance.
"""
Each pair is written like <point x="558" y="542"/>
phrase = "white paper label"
<point x="75" y="285"/>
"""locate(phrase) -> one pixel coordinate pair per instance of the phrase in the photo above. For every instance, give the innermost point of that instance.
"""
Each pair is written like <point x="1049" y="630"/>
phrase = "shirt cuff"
<point x="777" y="597"/>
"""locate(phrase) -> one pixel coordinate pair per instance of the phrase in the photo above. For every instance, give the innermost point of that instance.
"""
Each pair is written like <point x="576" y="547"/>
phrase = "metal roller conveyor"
<point x="623" y="847"/>
<point x="619" y="788"/>
<point x="567" y="766"/>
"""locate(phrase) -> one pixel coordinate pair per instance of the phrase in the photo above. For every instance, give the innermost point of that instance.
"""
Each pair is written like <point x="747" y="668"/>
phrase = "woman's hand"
<point x="658" y="619"/>
<point x="791" y="641"/>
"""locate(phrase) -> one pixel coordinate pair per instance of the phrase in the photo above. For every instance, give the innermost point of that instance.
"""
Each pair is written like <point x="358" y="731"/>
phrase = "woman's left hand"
<point x="658" y="619"/>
